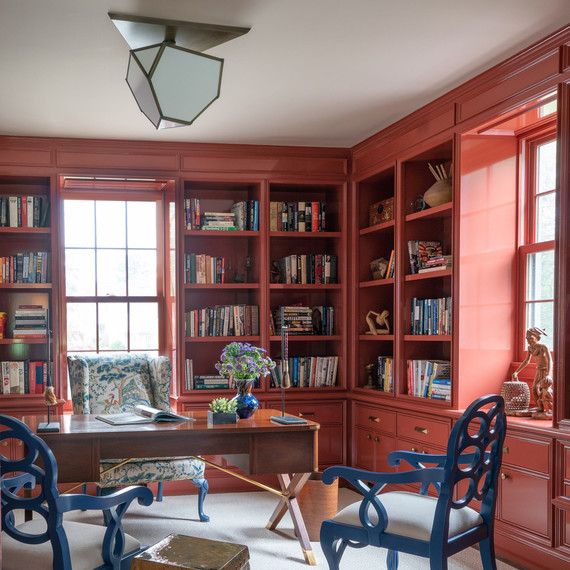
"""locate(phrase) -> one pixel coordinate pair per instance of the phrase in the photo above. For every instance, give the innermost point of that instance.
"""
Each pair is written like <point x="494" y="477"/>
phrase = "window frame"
<point x="530" y="141"/>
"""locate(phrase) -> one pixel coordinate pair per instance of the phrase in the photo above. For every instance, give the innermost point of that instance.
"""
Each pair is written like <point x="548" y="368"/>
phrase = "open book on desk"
<point x="142" y="415"/>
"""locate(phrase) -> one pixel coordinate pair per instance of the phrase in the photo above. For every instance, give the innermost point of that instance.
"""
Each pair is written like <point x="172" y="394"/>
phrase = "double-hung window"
<point x="537" y="250"/>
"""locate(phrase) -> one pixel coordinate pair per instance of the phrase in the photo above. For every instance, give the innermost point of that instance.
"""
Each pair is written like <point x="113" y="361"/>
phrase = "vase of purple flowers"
<point x="244" y="363"/>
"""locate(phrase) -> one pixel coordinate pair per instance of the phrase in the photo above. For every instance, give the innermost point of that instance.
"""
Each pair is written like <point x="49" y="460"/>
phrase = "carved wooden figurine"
<point x="542" y="385"/>
<point x="381" y="320"/>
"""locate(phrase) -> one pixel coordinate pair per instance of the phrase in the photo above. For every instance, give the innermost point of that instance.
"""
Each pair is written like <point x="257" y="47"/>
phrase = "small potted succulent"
<point x="222" y="411"/>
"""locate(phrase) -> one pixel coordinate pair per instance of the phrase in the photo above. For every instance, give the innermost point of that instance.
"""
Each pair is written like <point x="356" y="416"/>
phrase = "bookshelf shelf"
<point x="307" y="338"/>
<point x="376" y="338"/>
<point x="309" y="235"/>
<point x="427" y="338"/>
<point x="429" y="275"/>
<point x="442" y="211"/>
<point x="19" y="231"/>
<point x="220" y="233"/>
<point x="41" y="341"/>
<point x="377" y="283"/>
<point x="214" y="286"/>
<point x="311" y="287"/>
<point x="25" y="286"/>
<point x="378" y="228"/>
<point x="220" y="339"/>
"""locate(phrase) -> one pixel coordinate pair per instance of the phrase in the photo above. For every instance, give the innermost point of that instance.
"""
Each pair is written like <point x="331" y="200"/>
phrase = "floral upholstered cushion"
<point x="152" y="469"/>
<point x="115" y="383"/>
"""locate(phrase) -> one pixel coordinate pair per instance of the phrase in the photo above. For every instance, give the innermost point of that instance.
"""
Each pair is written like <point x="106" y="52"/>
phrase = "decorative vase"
<point x="439" y="193"/>
<point x="246" y="402"/>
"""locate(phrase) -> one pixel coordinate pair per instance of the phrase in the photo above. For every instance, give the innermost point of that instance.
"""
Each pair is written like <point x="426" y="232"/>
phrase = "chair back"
<point x="474" y="455"/>
<point x="115" y="383"/>
<point x="26" y="472"/>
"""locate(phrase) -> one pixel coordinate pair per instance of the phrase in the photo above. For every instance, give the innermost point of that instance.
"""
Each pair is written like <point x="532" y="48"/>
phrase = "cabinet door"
<point x="521" y="493"/>
<point x="372" y="450"/>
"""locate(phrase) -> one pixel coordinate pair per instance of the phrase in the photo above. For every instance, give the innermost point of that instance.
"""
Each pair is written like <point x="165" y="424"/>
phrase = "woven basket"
<point x="516" y="395"/>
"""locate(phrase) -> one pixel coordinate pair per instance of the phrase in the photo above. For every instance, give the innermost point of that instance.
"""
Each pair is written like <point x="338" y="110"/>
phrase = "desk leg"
<point x="291" y="488"/>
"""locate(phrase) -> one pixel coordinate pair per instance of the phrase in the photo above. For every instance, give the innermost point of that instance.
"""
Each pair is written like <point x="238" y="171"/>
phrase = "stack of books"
<point x="30" y="321"/>
<point x="247" y="215"/>
<point x="299" y="320"/>
<point x="218" y="221"/>
<point x="427" y="256"/>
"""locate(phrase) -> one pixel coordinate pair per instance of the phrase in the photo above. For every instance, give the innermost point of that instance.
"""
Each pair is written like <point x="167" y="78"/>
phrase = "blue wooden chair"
<point x="115" y="383"/>
<point x="47" y="541"/>
<point x="432" y="527"/>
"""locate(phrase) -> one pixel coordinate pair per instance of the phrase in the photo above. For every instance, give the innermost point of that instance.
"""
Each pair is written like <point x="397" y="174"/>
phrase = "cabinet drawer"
<point x="422" y="429"/>
<point x="373" y="418"/>
<point x="520" y="451"/>
<point x="325" y="413"/>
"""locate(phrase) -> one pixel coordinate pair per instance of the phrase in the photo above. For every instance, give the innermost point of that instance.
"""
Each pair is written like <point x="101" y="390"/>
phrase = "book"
<point x="428" y="252"/>
<point x="142" y="415"/>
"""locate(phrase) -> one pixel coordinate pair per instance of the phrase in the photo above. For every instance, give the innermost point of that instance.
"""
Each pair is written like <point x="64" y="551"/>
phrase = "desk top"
<point x="82" y="425"/>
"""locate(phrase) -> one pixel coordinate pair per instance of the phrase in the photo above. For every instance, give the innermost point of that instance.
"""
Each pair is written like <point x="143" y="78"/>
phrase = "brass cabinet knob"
<point x="504" y="476"/>
<point x="368" y="436"/>
<point x="376" y="439"/>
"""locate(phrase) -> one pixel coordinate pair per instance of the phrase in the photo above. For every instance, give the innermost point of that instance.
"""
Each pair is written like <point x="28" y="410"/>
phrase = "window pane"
<point x="545" y="217"/>
<point x="81" y="326"/>
<point x="144" y="326"/>
<point x="142" y="272"/>
<point x="113" y="326"/>
<point x="111" y="272"/>
<point x="542" y="315"/>
<point x="79" y="225"/>
<point x="110" y="224"/>
<point x="540" y="276"/>
<point x="141" y="224"/>
<point x="80" y="272"/>
<point x="546" y="167"/>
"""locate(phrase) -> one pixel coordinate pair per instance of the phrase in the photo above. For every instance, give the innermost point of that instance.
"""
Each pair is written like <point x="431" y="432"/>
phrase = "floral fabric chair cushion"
<point x="115" y="383"/>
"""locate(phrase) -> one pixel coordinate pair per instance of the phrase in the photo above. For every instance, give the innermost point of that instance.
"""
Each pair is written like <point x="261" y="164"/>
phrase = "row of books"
<point x="23" y="376"/>
<point x="206" y="381"/>
<point x="25" y="267"/>
<point x="223" y="320"/>
<point x="429" y="379"/>
<point x="202" y="268"/>
<point x="297" y="216"/>
<point x="385" y="373"/>
<point x="427" y="256"/>
<point x="318" y="320"/>
<point x="23" y="211"/>
<point x="431" y="316"/>
<point x="243" y="216"/>
<point x="309" y="269"/>
<point x="30" y="321"/>
<point x="307" y="371"/>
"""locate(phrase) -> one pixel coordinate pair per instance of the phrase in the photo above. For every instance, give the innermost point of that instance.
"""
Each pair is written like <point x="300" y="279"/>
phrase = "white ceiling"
<point x="310" y="72"/>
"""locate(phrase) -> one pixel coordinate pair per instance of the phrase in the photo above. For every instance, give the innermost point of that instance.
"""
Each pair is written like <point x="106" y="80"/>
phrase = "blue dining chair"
<point x="434" y="527"/>
<point x="48" y="541"/>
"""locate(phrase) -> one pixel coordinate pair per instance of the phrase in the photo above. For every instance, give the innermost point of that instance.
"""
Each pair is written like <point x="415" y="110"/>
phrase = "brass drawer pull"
<point x="374" y="419"/>
<point x="421" y="430"/>
<point x="368" y="436"/>
<point x="504" y="476"/>
<point x="505" y="449"/>
<point x="376" y="439"/>
<point x="302" y="414"/>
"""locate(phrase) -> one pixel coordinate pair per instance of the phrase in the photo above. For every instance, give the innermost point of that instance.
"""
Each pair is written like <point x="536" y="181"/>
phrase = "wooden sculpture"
<point x="381" y="320"/>
<point x="542" y="385"/>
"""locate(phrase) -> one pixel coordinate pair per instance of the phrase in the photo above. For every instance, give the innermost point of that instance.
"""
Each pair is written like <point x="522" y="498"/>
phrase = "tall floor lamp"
<point x="285" y="379"/>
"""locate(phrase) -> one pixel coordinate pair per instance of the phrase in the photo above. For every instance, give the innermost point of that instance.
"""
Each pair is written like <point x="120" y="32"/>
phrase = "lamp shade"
<point x="173" y="85"/>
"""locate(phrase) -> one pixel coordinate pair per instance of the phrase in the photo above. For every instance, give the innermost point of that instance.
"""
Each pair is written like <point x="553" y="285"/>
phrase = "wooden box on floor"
<point x="179" y="551"/>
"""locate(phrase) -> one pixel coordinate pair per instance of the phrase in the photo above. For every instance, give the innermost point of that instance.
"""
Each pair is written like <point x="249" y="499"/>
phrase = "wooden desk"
<point x="257" y="446"/>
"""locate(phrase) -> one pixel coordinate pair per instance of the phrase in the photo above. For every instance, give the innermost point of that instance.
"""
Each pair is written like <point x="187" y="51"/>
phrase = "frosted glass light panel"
<point x="173" y="85"/>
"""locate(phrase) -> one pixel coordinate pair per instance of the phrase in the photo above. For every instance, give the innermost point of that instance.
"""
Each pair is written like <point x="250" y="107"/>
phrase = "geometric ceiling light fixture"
<point x="171" y="80"/>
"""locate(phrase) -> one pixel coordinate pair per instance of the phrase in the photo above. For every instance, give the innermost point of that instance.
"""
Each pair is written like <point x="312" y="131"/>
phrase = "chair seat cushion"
<point x="411" y="515"/>
<point x="151" y="469"/>
<point x="84" y="545"/>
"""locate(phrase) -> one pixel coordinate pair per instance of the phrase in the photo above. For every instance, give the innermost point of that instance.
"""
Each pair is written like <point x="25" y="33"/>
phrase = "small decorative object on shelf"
<point x="49" y="394"/>
<point x="275" y="275"/>
<point x="517" y="398"/>
<point x="379" y="268"/>
<point x="369" y="369"/>
<point x="381" y="320"/>
<point x="418" y="203"/>
<point x="542" y="385"/>
<point x="3" y="324"/>
<point x="244" y="363"/>
<point x="441" y="191"/>
<point x="222" y="411"/>
<point x="382" y="211"/>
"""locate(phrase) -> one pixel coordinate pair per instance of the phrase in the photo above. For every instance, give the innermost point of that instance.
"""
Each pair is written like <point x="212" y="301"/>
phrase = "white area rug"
<point x="241" y="518"/>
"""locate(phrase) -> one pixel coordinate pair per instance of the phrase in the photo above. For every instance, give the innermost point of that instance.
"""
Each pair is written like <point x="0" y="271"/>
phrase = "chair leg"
<point x="438" y="561"/>
<point x="392" y="559"/>
<point x="202" y="485"/>
<point x="487" y="551"/>
<point x="333" y="548"/>
<point x="159" y="491"/>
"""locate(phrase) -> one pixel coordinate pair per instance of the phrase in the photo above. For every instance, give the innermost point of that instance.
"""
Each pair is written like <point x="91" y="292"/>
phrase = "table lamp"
<point x="49" y="394"/>
<point x="285" y="379"/>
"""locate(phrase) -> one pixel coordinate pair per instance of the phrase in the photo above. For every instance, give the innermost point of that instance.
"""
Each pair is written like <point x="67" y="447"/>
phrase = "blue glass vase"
<point x="247" y="403"/>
